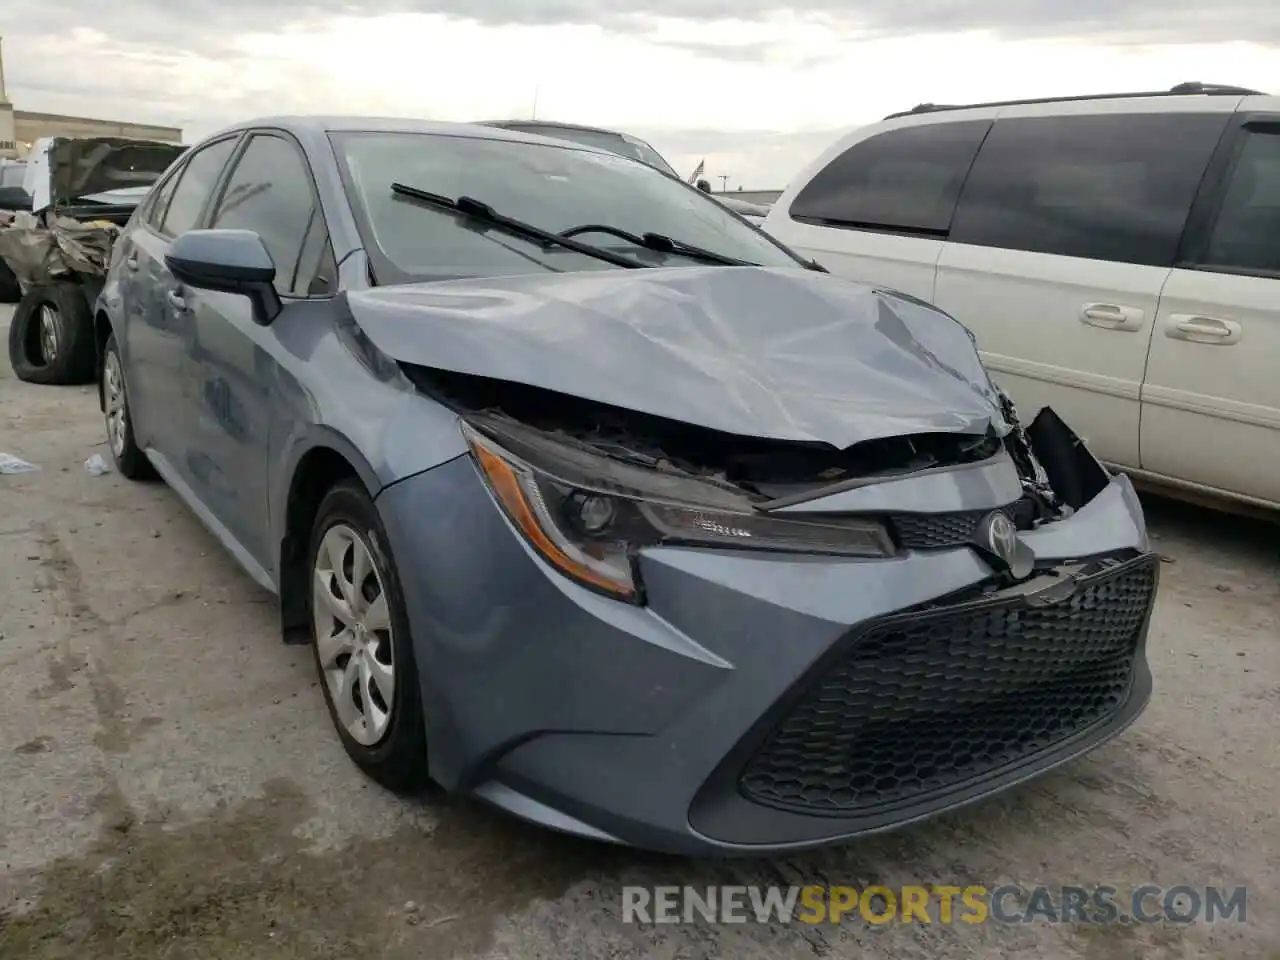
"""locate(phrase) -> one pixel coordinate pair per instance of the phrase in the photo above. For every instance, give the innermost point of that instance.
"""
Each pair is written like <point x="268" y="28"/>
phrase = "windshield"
<point x="620" y="143"/>
<point x="553" y="188"/>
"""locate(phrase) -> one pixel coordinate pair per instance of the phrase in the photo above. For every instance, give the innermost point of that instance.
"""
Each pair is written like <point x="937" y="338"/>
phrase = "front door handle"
<point x="1112" y="316"/>
<point x="176" y="301"/>
<point x="131" y="262"/>
<point x="1195" y="328"/>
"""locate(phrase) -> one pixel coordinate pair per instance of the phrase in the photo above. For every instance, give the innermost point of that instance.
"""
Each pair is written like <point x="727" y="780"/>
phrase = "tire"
<point x="51" y="336"/>
<point x="390" y="744"/>
<point x="128" y="457"/>
<point x="10" y="292"/>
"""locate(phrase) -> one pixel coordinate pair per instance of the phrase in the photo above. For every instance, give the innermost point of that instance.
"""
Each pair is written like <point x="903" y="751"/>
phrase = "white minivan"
<point x="1117" y="257"/>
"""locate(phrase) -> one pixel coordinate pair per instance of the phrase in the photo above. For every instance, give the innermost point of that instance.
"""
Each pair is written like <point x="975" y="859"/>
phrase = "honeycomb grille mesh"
<point x="923" y="705"/>
<point x="933" y="531"/>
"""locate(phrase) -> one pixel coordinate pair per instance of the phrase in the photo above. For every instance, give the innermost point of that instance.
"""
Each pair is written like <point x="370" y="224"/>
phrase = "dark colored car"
<point x="594" y="503"/>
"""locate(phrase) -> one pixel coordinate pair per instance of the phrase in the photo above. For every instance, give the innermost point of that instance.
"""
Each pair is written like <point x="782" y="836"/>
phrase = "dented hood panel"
<point x="771" y="353"/>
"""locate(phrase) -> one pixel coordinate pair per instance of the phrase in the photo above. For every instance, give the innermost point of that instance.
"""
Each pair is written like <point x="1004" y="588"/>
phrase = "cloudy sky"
<point x="755" y="86"/>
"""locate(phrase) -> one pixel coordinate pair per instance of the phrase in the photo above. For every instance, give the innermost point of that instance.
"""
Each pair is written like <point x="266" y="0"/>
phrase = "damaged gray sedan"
<point x="601" y="506"/>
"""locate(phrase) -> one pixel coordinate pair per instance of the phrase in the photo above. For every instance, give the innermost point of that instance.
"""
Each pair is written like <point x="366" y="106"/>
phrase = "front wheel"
<point x="361" y="640"/>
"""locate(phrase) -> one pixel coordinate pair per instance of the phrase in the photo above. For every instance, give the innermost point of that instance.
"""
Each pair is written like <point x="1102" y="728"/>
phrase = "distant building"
<point x="21" y="128"/>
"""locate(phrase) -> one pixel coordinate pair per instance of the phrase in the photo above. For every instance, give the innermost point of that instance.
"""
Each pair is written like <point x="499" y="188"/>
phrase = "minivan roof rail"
<point x="1191" y="88"/>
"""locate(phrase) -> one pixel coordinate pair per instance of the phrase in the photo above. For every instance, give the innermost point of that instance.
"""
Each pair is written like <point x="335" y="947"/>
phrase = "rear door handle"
<point x="1111" y="316"/>
<point x="176" y="301"/>
<point x="131" y="262"/>
<point x="1197" y="329"/>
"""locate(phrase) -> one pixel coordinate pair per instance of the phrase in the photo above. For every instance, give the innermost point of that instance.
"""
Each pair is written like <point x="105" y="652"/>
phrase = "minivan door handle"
<point x="1111" y="316"/>
<point x="176" y="301"/>
<point x="131" y="261"/>
<point x="1197" y="329"/>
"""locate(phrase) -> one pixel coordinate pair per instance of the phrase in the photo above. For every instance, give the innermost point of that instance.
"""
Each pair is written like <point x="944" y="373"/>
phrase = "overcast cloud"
<point x="758" y="87"/>
<point x="1167" y="21"/>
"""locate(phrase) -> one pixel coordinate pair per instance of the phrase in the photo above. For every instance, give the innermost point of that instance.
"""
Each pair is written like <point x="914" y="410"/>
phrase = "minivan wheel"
<point x="128" y="457"/>
<point x="361" y="641"/>
<point x="51" y="336"/>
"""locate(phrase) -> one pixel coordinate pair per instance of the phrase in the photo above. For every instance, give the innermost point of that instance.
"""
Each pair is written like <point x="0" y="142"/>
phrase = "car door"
<point x="268" y="190"/>
<point x="1065" y="232"/>
<point x="1211" y="401"/>
<point x="155" y="330"/>
<point x="876" y="207"/>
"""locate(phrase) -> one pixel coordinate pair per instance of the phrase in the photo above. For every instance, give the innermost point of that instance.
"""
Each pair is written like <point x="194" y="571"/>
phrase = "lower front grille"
<point x="927" y="702"/>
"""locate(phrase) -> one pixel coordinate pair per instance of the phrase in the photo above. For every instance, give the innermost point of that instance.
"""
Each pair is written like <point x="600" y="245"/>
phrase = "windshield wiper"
<point x="661" y="243"/>
<point x="483" y="213"/>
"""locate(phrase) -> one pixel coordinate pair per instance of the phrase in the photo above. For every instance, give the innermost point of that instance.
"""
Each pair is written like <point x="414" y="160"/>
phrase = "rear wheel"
<point x="51" y="336"/>
<point x="362" y="646"/>
<point x="129" y="459"/>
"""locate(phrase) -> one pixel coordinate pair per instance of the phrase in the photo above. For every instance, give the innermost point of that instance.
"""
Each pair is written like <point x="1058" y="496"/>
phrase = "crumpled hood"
<point x="784" y="354"/>
<point x="82" y="166"/>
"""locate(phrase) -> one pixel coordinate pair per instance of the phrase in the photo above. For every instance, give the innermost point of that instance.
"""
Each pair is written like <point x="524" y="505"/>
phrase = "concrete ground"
<point x="170" y="785"/>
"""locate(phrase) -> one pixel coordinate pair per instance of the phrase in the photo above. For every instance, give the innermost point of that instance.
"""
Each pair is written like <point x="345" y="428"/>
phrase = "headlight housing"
<point x="588" y="514"/>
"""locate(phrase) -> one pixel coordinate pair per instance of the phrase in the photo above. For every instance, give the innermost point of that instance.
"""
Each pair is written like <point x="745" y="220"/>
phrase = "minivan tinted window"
<point x="1246" y="236"/>
<point x="1101" y="186"/>
<point x="903" y="180"/>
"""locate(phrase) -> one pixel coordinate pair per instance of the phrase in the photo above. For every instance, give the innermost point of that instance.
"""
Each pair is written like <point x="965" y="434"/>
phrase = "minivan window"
<point x="269" y="192"/>
<point x="1246" y="236"/>
<point x="551" y="187"/>
<point x="1109" y="186"/>
<point x="905" y="180"/>
<point x="195" y="184"/>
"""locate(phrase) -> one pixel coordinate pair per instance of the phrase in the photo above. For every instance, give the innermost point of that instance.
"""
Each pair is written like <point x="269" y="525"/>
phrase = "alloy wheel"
<point x="114" y="401"/>
<point x="353" y="634"/>
<point x="50" y="333"/>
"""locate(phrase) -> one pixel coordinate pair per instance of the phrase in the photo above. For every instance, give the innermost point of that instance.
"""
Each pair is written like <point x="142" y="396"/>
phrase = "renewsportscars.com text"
<point x="943" y="904"/>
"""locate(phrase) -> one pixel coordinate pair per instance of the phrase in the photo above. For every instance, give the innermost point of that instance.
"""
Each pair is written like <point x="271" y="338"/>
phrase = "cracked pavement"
<point x="171" y="786"/>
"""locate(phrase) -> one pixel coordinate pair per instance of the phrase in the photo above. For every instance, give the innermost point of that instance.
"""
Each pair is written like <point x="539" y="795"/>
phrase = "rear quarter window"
<point x="906" y="180"/>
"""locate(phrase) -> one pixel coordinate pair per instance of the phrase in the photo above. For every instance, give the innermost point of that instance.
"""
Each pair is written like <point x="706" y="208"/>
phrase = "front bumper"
<point x="719" y="718"/>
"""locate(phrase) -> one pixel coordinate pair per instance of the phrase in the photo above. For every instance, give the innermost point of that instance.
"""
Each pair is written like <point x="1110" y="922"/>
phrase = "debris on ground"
<point x="11" y="464"/>
<point x="96" y="465"/>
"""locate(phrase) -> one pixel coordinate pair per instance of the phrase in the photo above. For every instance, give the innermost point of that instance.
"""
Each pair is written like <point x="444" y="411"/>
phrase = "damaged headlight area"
<point x="588" y="514"/>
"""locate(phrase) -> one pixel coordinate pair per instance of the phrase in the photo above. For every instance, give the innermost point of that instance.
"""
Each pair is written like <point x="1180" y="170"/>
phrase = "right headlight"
<point x="588" y="514"/>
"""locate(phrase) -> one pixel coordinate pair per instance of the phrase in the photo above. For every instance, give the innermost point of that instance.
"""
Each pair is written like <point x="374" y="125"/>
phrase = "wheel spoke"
<point x="383" y="676"/>
<point x="360" y="568"/>
<point x="336" y="545"/>
<point x="336" y="607"/>
<point x="377" y="618"/>
<point x="333" y="645"/>
<point x="348" y="713"/>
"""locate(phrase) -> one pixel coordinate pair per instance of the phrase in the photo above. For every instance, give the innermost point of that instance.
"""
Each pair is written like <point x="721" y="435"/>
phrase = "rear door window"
<point x="905" y="180"/>
<point x="1246" y="235"/>
<point x="1112" y="187"/>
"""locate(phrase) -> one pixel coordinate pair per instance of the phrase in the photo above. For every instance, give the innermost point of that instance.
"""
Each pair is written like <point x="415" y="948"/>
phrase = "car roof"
<point x="509" y="124"/>
<point x="313" y="125"/>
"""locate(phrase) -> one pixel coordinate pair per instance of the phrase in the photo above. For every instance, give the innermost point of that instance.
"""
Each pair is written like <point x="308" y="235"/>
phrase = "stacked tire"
<point x="51" y="336"/>
<point x="10" y="292"/>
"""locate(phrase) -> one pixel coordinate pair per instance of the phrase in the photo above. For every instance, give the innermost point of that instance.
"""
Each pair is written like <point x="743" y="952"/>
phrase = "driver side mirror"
<point x="704" y="186"/>
<point x="229" y="261"/>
